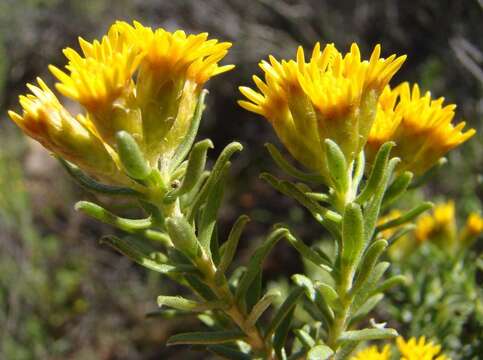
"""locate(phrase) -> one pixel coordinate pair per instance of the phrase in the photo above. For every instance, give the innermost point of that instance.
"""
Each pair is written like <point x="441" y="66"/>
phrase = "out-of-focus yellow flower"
<point x="473" y="228"/>
<point x="419" y="349"/>
<point x="329" y="97"/>
<point x="420" y="127"/>
<point x="47" y="121"/>
<point x="373" y="353"/>
<point x="143" y="81"/>
<point x="438" y="227"/>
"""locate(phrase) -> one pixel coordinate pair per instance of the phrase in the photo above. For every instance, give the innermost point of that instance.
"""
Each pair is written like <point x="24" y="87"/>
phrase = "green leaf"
<point x="366" y="291"/>
<point x="284" y="310"/>
<point x="218" y="171"/>
<point x="228" y="352"/>
<point x="210" y="211"/>
<point x="206" y="338"/>
<point x="181" y="303"/>
<point x="99" y="213"/>
<point x="290" y="169"/>
<point x="188" y="140"/>
<point x="372" y="209"/>
<point x="281" y="333"/>
<point x="289" y="189"/>
<point x="368" y="262"/>
<point x="390" y="283"/>
<point x="366" y="308"/>
<point x="345" y="350"/>
<point x="305" y="283"/>
<point x="405" y="218"/>
<point x="353" y="237"/>
<point x="309" y="254"/>
<point x="337" y="165"/>
<point x="328" y="293"/>
<point x="195" y="167"/>
<point x="367" y="334"/>
<point x="198" y="286"/>
<point x="305" y="338"/>
<point x="428" y="175"/>
<point x="377" y="172"/>
<point x="320" y="352"/>
<point x="256" y="261"/>
<point x="140" y="256"/>
<point x="183" y="236"/>
<point x="397" y="188"/>
<point x="131" y="156"/>
<point x="92" y="185"/>
<point x="262" y="305"/>
<point x="228" y="249"/>
<point x="360" y="166"/>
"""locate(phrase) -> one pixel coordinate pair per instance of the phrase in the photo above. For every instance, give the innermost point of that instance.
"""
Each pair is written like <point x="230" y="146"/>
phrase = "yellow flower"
<point x="134" y="79"/>
<point x="420" y="126"/>
<point x="172" y="72"/>
<point x="329" y="97"/>
<point x="438" y="227"/>
<point x="373" y="353"/>
<point x="418" y="349"/>
<point x="472" y="229"/>
<point x="47" y="121"/>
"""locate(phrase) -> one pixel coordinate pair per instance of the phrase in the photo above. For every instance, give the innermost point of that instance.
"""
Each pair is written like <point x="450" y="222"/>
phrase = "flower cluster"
<point x="135" y="79"/>
<point x="413" y="349"/>
<point x="349" y="100"/>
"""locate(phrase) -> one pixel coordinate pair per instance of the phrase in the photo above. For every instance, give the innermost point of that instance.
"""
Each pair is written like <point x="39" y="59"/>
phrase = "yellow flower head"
<point x="418" y="349"/>
<point x="332" y="96"/>
<point x="47" y="121"/>
<point x="373" y="353"/>
<point x="134" y="79"/>
<point x="438" y="227"/>
<point x="420" y="126"/>
<point x="473" y="228"/>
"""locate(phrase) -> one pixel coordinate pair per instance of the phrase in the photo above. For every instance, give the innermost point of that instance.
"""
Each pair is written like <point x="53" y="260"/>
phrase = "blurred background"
<point x="62" y="295"/>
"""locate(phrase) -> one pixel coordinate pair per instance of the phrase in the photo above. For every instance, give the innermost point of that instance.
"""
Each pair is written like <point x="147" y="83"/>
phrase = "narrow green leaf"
<point x="195" y="167"/>
<point x="187" y="199"/>
<point x="290" y="169"/>
<point x="353" y="237"/>
<point x="256" y="261"/>
<point x="228" y="352"/>
<point x="309" y="254"/>
<point x="181" y="303"/>
<point x="228" y="249"/>
<point x="368" y="262"/>
<point x="367" y="334"/>
<point x="346" y="350"/>
<point x="281" y="333"/>
<point x="198" y="286"/>
<point x="390" y="283"/>
<point x="428" y="175"/>
<point x="92" y="185"/>
<point x="99" y="213"/>
<point x="185" y="147"/>
<point x="320" y="352"/>
<point x="406" y="217"/>
<point x="262" y="305"/>
<point x="358" y="171"/>
<point x="183" y="236"/>
<point x="284" y="310"/>
<point x="307" y="341"/>
<point x="328" y="293"/>
<point x="366" y="308"/>
<point x="377" y="172"/>
<point x="400" y="233"/>
<point x="210" y="211"/>
<point x="131" y="156"/>
<point x="372" y="209"/>
<point x="397" y="188"/>
<point x="337" y="165"/>
<point x="305" y="283"/>
<point x="254" y="292"/>
<point x="218" y="170"/>
<point x="138" y="255"/>
<point x="206" y="338"/>
<point x="371" y="283"/>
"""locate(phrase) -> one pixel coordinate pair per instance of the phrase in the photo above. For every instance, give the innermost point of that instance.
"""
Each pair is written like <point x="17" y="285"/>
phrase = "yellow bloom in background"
<point x="419" y="349"/>
<point x="420" y="126"/>
<point x="373" y="353"/>
<point x="47" y="121"/>
<point x="332" y="96"/>
<point x="438" y="227"/>
<point x="143" y="81"/>
<point x="473" y="228"/>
